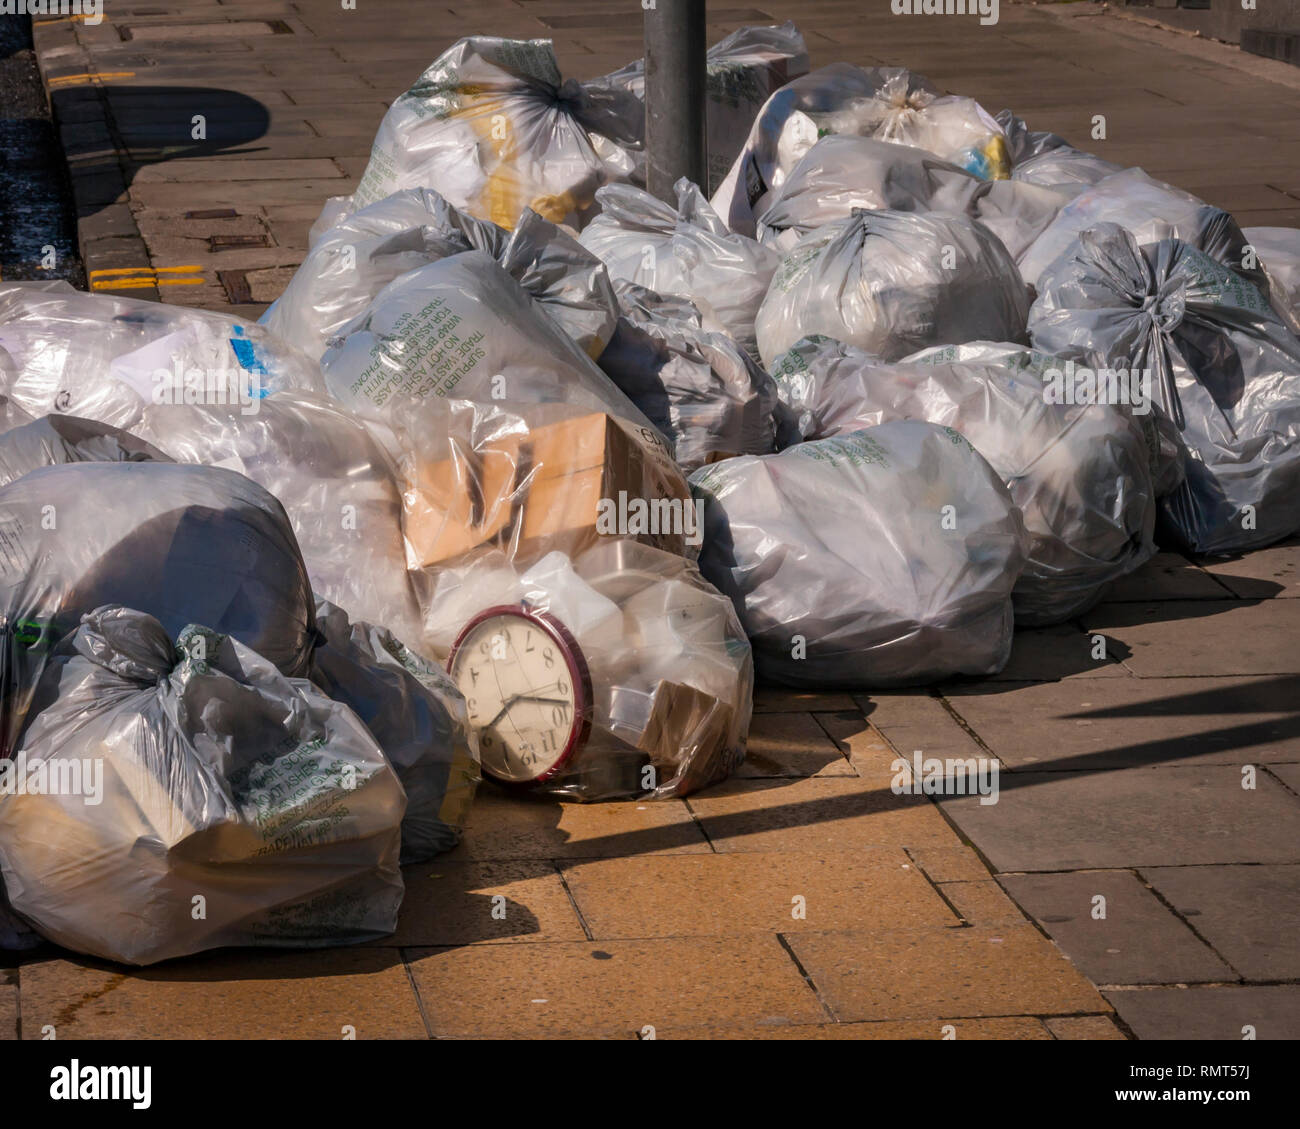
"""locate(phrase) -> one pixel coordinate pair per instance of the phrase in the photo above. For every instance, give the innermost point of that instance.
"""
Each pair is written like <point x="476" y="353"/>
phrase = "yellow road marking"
<point x="139" y="278"/>
<point x="85" y="79"/>
<point x="145" y="270"/>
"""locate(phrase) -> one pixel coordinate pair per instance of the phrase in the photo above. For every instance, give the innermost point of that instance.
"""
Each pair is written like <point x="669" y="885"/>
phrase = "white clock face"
<point x="515" y="674"/>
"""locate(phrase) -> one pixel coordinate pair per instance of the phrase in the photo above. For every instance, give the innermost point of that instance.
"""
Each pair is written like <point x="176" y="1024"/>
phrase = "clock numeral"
<point x="548" y="741"/>
<point x="548" y="657"/>
<point x="560" y="715"/>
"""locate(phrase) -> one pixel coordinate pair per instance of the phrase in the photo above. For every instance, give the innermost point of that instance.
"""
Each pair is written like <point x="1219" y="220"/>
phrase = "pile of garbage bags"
<point x="527" y="475"/>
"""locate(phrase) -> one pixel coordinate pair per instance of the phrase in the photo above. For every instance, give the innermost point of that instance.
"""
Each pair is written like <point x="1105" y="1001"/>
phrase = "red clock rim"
<point x="579" y="673"/>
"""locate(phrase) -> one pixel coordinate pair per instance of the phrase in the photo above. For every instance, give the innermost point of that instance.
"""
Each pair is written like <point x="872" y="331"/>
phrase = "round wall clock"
<point x="528" y="689"/>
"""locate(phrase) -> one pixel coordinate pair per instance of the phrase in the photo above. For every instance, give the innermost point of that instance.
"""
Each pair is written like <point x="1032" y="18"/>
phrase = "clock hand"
<point x="546" y="701"/>
<point x="502" y="712"/>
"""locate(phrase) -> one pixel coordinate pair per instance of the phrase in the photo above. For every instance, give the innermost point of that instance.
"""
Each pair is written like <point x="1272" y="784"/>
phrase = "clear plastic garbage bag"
<point x="892" y="283"/>
<point x="884" y="557"/>
<point x="789" y="124"/>
<point x="884" y="103"/>
<point x="418" y="717"/>
<point x="687" y="251"/>
<point x="336" y="483"/>
<point x="956" y="129"/>
<point x="350" y="263"/>
<point x="187" y="544"/>
<point x="106" y="358"/>
<point x="493" y="127"/>
<point x="1079" y="472"/>
<point x="743" y="71"/>
<point x="1278" y="252"/>
<point x="1150" y="210"/>
<point x="621" y="673"/>
<point x="194" y="777"/>
<point x="1224" y="369"/>
<point x="53" y="440"/>
<point x="461" y="328"/>
<point x="697" y="386"/>
<point x="841" y="173"/>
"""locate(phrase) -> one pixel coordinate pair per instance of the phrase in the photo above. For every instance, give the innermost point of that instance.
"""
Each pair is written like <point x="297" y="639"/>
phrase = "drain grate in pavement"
<point x="224" y="242"/>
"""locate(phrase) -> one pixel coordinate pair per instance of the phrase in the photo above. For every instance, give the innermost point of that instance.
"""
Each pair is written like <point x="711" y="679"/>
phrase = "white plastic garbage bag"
<point x="957" y="129"/>
<point x="789" y="124"/>
<point x="892" y="283"/>
<point x="883" y="557"/>
<point x="350" y="263"/>
<point x="884" y="103"/>
<point x="492" y="127"/>
<point x="336" y="483"/>
<point x="197" y="777"/>
<point x="686" y="251"/>
<point x="841" y="173"/>
<point x="1278" y="250"/>
<point x="743" y="71"/>
<point x="647" y="687"/>
<point x="1150" y="210"/>
<point x="461" y="328"/>
<point x="1224" y="367"/>
<point x="696" y="386"/>
<point x="106" y="358"/>
<point x="417" y="716"/>
<point x="189" y="544"/>
<point x="1078" y="471"/>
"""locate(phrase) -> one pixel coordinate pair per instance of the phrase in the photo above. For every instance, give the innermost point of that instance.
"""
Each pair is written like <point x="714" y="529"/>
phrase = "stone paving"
<point x="1138" y="874"/>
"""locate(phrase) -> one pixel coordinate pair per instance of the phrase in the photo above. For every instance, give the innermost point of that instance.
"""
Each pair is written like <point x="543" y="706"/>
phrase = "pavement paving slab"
<point x="1115" y="929"/>
<point x="1221" y="1013"/>
<point x="791" y="744"/>
<point x="1176" y="816"/>
<point x="234" y="994"/>
<point x="1205" y="637"/>
<point x="929" y="974"/>
<point x="1084" y="1027"/>
<point x="469" y="903"/>
<point x="1250" y="914"/>
<point x="753" y="892"/>
<point x="815" y="814"/>
<point x="1266" y="573"/>
<point x="612" y="988"/>
<point x="1094" y="724"/>
<point x="508" y="827"/>
<point x="1009" y="1028"/>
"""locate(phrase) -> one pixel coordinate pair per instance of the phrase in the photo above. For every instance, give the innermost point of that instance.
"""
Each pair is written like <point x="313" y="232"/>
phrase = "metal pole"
<point x="675" y="94"/>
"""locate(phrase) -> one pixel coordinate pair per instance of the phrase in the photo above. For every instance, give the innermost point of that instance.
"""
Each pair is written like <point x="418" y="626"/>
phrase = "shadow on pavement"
<point x="153" y="125"/>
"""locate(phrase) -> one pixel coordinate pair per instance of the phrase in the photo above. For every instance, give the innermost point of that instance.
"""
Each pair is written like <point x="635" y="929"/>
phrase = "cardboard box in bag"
<point x="460" y="503"/>
<point x="578" y="463"/>
<point x="544" y="492"/>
